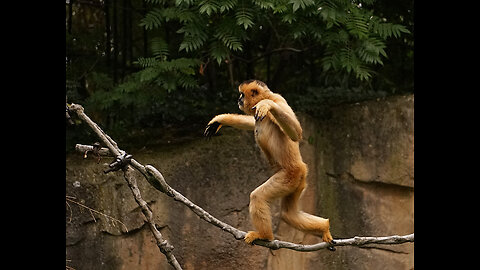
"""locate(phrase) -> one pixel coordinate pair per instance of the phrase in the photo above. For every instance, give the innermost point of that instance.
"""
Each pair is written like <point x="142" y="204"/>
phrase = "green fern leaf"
<point x="227" y="5"/>
<point x="208" y="6"/>
<point x="244" y="17"/>
<point x="301" y="4"/>
<point x="146" y="62"/>
<point x="264" y="4"/>
<point x="228" y="32"/>
<point x="159" y="48"/>
<point x="194" y="36"/>
<point x="218" y="51"/>
<point x="152" y="20"/>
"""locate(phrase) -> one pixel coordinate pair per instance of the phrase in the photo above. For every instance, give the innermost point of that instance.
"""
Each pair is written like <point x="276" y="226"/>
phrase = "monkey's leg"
<point x="303" y="221"/>
<point x="260" y="200"/>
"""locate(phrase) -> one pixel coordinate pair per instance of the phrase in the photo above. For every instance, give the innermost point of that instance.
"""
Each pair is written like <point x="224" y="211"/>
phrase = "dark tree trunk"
<point x="115" y="42"/>
<point x="107" y="31"/>
<point x="145" y="37"/>
<point x="130" y="34"/>
<point x="70" y="13"/>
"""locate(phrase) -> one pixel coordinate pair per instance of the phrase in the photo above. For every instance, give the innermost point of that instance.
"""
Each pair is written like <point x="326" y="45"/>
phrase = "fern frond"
<point x="386" y="30"/>
<point x="152" y="20"/>
<point x="363" y="73"/>
<point x="159" y="48"/>
<point x="208" y="6"/>
<point x="185" y="3"/>
<point x="157" y="16"/>
<point x="146" y="62"/>
<point x="228" y="32"/>
<point x="218" y="51"/>
<point x="194" y="36"/>
<point x="358" y="22"/>
<point x="264" y="4"/>
<point x="227" y="5"/>
<point x="301" y="4"/>
<point x="244" y="17"/>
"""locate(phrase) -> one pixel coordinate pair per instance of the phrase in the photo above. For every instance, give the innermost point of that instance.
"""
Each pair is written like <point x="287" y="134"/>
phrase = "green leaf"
<point x="208" y="6"/>
<point x="244" y="17"/>
<point x="159" y="48"/>
<point x="227" y="5"/>
<point x="218" y="51"/>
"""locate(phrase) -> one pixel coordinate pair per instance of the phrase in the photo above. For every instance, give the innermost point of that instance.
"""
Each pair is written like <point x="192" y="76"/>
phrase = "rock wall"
<point x="360" y="177"/>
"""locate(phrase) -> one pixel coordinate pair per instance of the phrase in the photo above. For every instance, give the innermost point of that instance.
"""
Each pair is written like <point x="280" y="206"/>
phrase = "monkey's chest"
<point x="265" y="137"/>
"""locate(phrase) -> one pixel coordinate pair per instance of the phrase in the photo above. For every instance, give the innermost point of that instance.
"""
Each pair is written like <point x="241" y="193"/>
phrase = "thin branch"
<point x="91" y="210"/>
<point x="165" y="247"/>
<point x="90" y="148"/>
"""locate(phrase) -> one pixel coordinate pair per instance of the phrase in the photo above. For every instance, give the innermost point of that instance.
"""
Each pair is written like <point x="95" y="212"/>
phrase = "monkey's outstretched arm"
<point x="284" y="116"/>
<point x="239" y="121"/>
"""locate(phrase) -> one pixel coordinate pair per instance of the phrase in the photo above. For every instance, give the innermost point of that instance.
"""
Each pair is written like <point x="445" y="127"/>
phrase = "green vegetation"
<point x="173" y="63"/>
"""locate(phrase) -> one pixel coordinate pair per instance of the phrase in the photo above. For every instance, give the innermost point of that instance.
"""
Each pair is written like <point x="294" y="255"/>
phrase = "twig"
<point x="68" y="198"/>
<point x="89" y="148"/>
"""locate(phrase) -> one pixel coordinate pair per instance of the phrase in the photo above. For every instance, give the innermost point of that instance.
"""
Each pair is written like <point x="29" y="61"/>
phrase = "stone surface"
<point x="360" y="177"/>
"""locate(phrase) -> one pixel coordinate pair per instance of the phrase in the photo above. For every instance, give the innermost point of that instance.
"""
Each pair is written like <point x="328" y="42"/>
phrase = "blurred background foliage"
<point x="151" y="70"/>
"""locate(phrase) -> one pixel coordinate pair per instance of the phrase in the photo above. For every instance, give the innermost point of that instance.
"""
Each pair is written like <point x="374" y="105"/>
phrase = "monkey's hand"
<point x="262" y="108"/>
<point x="213" y="126"/>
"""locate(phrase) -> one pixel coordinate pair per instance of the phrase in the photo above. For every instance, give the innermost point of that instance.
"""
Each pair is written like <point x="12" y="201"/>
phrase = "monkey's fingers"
<point x="261" y="113"/>
<point x="212" y="129"/>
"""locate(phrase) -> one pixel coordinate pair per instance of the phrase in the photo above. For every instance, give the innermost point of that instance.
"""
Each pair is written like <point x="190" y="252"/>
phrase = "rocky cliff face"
<point x="360" y="177"/>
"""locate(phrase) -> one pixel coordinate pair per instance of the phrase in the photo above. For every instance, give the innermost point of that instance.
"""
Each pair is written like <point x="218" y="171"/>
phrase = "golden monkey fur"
<point x="277" y="132"/>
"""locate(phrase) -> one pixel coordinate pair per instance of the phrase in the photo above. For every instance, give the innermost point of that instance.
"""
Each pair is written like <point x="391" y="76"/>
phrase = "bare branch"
<point x="89" y="148"/>
<point x="165" y="247"/>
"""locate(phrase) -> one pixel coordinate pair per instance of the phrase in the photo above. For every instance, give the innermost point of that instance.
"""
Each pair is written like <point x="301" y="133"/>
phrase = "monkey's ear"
<point x="254" y="92"/>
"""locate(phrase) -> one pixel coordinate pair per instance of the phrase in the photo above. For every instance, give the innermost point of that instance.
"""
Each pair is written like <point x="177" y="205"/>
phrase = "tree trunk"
<point x="107" y="31"/>
<point x="115" y="42"/>
<point x="124" y="38"/>
<point x="145" y="35"/>
<point x="69" y="20"/>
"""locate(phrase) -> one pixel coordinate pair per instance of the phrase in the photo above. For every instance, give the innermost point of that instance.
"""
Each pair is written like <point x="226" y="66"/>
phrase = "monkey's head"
<point x="251" y="92"/>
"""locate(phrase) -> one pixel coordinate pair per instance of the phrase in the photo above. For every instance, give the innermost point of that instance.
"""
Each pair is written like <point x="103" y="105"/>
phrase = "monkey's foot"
<point x="327" y="237"/>
<point x="252" y="236"/>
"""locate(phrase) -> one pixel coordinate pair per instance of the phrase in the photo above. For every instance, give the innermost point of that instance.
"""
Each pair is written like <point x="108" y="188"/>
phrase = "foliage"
<point x="351" y="35"/>
<point x="195" y="52"/>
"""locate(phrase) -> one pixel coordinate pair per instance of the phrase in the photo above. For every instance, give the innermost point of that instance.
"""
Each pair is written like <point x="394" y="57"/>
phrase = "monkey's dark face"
<point x="250" y="94"/>
<point x="240" y="101"/>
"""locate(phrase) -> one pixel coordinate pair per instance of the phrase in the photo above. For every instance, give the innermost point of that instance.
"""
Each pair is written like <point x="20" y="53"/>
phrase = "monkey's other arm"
<point x="238" y="121"/>
<point x="284" y="116"/>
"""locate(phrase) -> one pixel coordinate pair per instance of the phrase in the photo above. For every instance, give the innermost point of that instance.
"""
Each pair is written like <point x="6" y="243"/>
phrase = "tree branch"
<point x="156" y="179"/>
<point x="164" y="246"/>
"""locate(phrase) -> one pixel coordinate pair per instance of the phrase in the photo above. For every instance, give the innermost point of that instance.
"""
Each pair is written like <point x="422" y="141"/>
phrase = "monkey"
<point x="277" y="132"/>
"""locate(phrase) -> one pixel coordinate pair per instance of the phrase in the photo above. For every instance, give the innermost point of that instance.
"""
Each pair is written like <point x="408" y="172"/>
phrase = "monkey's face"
<point x="251" y="92"/>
